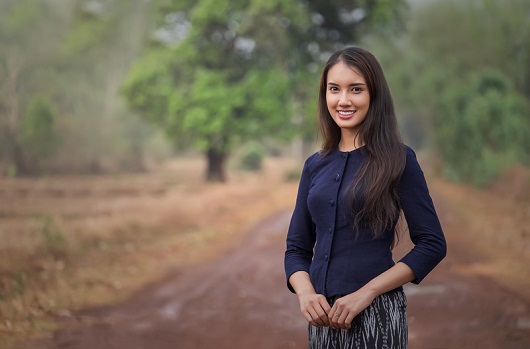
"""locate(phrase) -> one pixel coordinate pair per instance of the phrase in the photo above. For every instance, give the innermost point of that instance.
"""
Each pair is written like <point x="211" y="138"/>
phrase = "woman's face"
<point x="347" y="98"/>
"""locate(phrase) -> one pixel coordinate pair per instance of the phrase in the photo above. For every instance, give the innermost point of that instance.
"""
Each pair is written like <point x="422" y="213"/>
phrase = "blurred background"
<point x="123" y="122"/>
<point x="109" y="86"/>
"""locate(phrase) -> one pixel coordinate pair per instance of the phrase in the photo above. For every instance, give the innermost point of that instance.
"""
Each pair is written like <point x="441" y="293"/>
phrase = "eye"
<point x="333" y="88"/>
<point x="357" y="89"/>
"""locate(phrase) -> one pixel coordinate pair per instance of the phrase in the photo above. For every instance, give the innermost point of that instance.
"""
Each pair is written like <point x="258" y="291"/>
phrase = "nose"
<point x="344" y="100"/>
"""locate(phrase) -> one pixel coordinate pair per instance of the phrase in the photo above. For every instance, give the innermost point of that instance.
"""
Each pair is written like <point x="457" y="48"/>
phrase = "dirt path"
<point x="240" y="301"/>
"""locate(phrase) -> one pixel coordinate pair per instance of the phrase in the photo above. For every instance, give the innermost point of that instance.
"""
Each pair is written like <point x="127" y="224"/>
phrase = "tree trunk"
<point x="216" y="165"/>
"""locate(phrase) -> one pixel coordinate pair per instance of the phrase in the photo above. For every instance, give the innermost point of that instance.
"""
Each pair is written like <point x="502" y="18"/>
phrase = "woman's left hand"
<point x="348" y="307"/>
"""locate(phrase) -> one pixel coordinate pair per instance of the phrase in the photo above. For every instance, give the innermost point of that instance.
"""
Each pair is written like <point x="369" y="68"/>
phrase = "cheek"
<point x="364" y="102"/>
<point x="331" y="100"/>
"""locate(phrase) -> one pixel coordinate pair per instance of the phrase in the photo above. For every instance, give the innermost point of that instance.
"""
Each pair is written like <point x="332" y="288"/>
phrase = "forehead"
<point x="341" y="73"/>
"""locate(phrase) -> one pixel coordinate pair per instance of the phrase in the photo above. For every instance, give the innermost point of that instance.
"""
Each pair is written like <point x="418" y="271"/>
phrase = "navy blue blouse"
<point x="321" y="240"/>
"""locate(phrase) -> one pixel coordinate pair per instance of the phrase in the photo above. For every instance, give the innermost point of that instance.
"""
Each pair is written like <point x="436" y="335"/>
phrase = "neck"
<point x="350" y="142"/>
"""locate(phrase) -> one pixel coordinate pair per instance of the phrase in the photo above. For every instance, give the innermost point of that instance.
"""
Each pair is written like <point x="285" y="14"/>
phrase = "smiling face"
<point x="347" y="99"/>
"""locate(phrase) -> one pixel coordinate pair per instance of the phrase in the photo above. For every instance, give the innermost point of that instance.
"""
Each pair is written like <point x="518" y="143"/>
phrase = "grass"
<point x="73" y="242"/>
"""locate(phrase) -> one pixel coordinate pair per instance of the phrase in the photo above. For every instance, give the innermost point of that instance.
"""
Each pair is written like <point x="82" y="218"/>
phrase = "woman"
<point x="338" y="259"/>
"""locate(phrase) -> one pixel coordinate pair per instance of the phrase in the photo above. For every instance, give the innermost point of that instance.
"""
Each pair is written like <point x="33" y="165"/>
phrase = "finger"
<point x="307" y="313"/>
<point x="320" y="310"/>
<point x="331" y="313"/>
<point x="349" y="320"/>
<point x="307" y="316"/>
<point x="323" y="316"/>
<point x="325" y="305"/>
<point x="315" y="318"/>
<point x="335" y="312"/>
<point x="334" y="319"/>
<point x="341" y="322"/>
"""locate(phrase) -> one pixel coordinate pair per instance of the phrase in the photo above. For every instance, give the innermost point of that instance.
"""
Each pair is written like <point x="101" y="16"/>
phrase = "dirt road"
<point x="240" y="301"/>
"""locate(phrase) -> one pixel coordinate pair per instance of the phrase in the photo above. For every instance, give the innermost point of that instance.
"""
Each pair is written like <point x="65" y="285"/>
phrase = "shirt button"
<point x="331" y="203"/>
<point x="344" y="156"/>
<point x="337" y="177"/>
<point x="330" y="230"/>
<point x="326" y="257"/>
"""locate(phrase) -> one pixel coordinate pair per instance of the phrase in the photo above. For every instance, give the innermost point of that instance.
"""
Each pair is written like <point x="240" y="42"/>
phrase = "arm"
<point x="348" y="307"/>
<point x="301" y="235"/>
<point x="423" y="224"/>
<point x="299" y="254"/>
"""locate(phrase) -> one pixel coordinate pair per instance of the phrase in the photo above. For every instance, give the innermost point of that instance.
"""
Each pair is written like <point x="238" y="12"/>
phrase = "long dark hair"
<point x="377" y="179"/>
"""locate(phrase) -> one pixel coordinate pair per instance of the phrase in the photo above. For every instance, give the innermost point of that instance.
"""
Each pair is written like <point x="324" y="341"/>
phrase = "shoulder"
<point x="410" y="156"/>
<point x="412" y="171"/>
<point x="312" y="159"/>
<point x="318" y="160"/>
<point x="409" y="151"/>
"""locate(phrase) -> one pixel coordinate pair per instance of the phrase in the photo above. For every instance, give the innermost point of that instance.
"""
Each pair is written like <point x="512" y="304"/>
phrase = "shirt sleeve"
<point x="424" y="226"/>
<point x="301" y="234"/>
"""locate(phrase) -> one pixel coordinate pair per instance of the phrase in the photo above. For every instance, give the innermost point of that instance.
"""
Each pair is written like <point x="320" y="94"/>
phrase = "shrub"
<point x="252" y="159"/>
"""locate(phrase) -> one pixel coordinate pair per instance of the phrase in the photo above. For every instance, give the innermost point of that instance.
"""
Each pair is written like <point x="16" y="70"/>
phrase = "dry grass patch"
<point x="493" y="224"/>
<point x="73" y="242"/>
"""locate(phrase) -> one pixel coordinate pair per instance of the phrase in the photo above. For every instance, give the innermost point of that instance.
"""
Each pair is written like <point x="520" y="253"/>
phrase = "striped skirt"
<point x="383" y="325"/>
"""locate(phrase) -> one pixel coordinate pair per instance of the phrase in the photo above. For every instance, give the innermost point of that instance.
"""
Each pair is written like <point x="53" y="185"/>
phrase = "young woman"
<point x="352" y="192"/>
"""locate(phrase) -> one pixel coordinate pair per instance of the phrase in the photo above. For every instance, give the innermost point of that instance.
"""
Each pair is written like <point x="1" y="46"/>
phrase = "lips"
<point x="346" y="114"/>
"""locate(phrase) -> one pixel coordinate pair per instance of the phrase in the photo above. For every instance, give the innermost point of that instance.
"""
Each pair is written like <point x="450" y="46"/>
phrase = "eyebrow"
<point x="350" y="85"/>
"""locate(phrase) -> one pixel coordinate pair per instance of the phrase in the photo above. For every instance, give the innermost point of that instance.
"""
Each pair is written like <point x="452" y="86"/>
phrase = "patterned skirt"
<point x="383" y="325"/>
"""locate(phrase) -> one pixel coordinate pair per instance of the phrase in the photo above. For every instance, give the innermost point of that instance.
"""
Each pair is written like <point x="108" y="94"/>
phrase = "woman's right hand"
<point x="315" y="308"/>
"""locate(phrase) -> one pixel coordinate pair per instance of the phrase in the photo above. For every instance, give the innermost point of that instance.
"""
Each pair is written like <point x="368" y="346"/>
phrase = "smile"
<point x="345" y="113"/>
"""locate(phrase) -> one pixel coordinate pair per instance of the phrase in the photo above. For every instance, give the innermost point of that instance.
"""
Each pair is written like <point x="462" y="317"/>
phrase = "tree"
<point x="229" y="71"/>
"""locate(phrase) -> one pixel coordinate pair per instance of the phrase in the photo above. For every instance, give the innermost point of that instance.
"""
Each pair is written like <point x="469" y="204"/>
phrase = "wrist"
<point x="372" y="290"/>
<point x="301" y="283"/>
<point x="305" y="292"/>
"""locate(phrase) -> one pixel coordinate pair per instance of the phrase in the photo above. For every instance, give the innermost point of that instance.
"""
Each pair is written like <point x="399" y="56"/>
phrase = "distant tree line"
<point x="62" y="64"/>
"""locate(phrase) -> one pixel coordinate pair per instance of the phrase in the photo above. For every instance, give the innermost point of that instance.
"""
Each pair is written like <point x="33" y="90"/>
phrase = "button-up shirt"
<point x="321" y="239"/>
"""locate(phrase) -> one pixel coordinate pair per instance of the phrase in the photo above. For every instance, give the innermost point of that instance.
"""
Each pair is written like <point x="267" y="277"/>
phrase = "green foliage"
<point x="252" y="159"/>
<point x="240" y="70"/>
<point x="149" y="85"/>
<point x="483" y="128"/>
<point x="86" y="34"/>
<point x="487" y="34"/>
<point x="38" y="135"/>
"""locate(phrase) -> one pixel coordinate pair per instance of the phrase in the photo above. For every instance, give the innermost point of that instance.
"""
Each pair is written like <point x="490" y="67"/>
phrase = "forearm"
<point x="397" y="276"/>
<point x="301" y="283"/>
<point x="348" y="307"/>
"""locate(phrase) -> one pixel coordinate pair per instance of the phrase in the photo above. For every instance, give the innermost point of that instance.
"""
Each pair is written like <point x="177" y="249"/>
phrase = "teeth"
<point x="346" y="112"/>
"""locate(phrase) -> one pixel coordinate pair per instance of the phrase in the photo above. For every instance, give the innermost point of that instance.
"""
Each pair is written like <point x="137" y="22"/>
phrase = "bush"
<point x="38" y="135"/>
<point x="252" y="159"/>
<point x="483" y="128"/>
